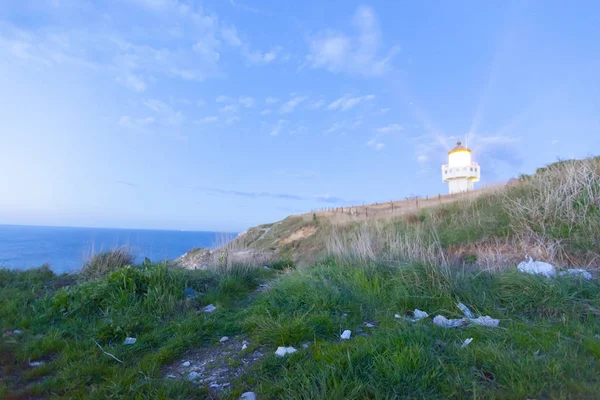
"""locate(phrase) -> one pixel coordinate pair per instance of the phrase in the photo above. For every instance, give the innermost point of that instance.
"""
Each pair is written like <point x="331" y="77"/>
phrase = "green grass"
<point x="61" y="326"/>
<point x="547" y="345"/>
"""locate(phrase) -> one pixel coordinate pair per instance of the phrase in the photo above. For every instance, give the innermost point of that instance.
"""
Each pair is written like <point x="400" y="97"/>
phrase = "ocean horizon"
<point x="66" y="249"/>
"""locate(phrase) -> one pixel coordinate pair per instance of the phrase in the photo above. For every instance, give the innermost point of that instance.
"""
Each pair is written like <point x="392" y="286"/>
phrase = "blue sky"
<point x="223" y="114"/>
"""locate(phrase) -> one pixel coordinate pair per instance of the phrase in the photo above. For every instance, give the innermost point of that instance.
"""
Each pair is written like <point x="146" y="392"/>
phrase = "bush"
<point x="103" y="263"/>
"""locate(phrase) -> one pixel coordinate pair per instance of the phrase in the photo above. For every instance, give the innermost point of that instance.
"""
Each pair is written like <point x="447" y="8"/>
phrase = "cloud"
<point x="222" y="99"/>
<point x="124" y="183"/>
<point x="256" y="57"/>
<point x="422" y="158"/>
<point x="291" y="105"/>
<point x="376" y="144"/>
<point x="281" y="196"/>
<point x="358" y="54"/>
<point x="246" y="101"/>
<point x="271" y="100"/>
<point x="315" y="105"/>
<point x="229" y="108"/>
<point x="276" y="129"/>
<point x="132" y="82"/>
<point x="139" y="124"/>
<point x="230" y="36"/>
<point x="266" y="112"/>
<point x="164" y="113"/>
<point x="390" y="128"/>
<point x="347" y="102"/>
<point x="206" y="120"/>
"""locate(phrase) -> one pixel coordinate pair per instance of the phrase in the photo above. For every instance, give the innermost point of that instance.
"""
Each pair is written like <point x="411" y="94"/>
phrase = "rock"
<point x="223" y="339"/>
<point x="266" y="267"/>
<point x="282" y="351"/>
<point x="186" y="364"/>
<point x="440" y="343"/>
<point x="248" y="396"/>
<point x="190" y="293"/>
<point x="130" y="340"/>
<point x="466" y="343"/>
<point x="210" y="308"/>
<point x="36" y="363"/>
<point x="444" y="322"/>
<point x="192" y="376"/>
<point x="346" y="334"/>
<point x="360" y="332"/>
<point x="369" y="325"/>
<point x="305" y="345"/>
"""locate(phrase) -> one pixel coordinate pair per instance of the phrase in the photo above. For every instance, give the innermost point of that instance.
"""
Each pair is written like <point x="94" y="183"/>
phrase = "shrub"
<point x="101" y="264"/>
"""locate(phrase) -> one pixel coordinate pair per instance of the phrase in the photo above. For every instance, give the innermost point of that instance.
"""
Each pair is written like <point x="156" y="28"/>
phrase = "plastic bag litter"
<point x="444" y="322"/>
<point x="397" y="316"/>
<point x="577" y="273"/>
<point x="223" y="339"/>
<point x="346" y="334"/>
<point x="282" y="351"/>
<point x="369" y="325"/>
<point x="130" y="340"/>
<point x="420" y="314"/>
<point x="36" y="363"/>
<point x="210" y="308"/>
<point x="466" y="342"/>
<point x="536" y="267"/>
<point x="465" y="311"/>
<point x="486" y="321"/>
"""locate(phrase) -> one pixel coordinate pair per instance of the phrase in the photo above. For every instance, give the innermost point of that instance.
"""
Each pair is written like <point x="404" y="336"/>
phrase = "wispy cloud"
<point x="317" y="104"/>
<point x="229" y="108"/>
<point x="222" y="99"/>
<point x="266" y="111"/>
<point x="390" y="128"/>
<point x="125" y="183"/>
<point x="271" y="100"/>
<point x="347" y="102"/>
<point x="206" y="120"/>
<point x="276" y="129"/>
<point x="281" y="196"/>
<point x="376" y="144"/>
<point x="357" y="54"/>
<point x="247" y="101"/>
<point x="138" y="124"/>
<point x="291" y="104"/>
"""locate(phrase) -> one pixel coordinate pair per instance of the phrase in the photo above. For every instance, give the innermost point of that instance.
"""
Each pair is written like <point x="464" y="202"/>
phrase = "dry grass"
<point x="100" y="264"/>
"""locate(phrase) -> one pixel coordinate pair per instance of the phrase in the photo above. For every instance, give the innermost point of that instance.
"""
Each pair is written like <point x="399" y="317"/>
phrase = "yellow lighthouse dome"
<point x="459" y="148"/>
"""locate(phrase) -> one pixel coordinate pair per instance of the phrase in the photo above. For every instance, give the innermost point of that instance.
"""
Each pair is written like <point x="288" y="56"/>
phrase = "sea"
<point x="66" y="249"/>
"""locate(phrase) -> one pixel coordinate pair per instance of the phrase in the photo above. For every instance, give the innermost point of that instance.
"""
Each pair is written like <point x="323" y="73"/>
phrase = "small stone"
<point x="130" y="340"/>
<point x="397" y="316"/>
<point x="36" y="363"/>
<point x="210" y="308"/>
<point x="224" y="339"/>
<point x="248" y="396"/>
<point x="360" y="332"/>
<point x="369" y="325"/>
<point x="244" y="346"/>
<point x="305" y="345"/>
<point x="346" y="334"/>
<point x="186" y="364"/>
<point x="193" y="376"/>
<point x="171" y="376"/>
<point x="282" y="351"/>
<point x="266" y="267"/>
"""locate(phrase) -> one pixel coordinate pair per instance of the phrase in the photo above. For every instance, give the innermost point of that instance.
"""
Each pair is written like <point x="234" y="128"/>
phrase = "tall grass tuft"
<point x="103" y="263"/>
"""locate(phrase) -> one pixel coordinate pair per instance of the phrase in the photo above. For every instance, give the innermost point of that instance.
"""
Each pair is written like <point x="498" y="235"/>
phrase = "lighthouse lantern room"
<point x="461" y="172"/>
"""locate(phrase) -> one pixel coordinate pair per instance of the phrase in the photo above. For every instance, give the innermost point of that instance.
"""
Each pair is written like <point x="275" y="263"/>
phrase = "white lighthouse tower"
<point x="461" y="172"/>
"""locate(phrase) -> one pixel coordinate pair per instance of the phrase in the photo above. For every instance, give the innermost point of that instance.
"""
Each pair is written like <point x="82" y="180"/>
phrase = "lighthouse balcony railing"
<point x="471" y="171"/>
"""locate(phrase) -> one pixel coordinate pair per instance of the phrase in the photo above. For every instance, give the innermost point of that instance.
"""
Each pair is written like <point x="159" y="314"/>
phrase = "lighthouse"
<point x="461" y="172"/>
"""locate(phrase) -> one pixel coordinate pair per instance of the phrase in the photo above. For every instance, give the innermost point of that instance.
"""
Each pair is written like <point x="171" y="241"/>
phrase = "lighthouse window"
<point x="446" y="171"/>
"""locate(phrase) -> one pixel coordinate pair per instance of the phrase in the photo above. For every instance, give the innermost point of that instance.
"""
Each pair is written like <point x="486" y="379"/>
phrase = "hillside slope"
<point x="550" y="215"/>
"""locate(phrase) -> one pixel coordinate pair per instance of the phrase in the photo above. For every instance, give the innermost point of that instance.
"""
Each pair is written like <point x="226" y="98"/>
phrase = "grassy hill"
<point x="63" y="336"/>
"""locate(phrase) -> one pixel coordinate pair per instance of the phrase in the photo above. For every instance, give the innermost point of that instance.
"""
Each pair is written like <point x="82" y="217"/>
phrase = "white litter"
<point x="536" y="267"/>
<point x="444" y="322"/>
<point x="266" y="267"/>
<point x="248" y="396"/>
<point x="486" y="321"/>
<point x="194" y="375"/>
<point x="346" y="334"/>
<point x="420" y="314"/>
<point x="369" y="325"/>
<point x="305" y="345"/>
<point x="36" y="363"/>
<point x="223" y="339"/>
<point x="282" y="351"/>
<point x="130" y="340"/>
<point x="465" y="311"/>
<point x="244" y="345"/>
<point x="397" y="316"/>
<point x="466" y="342"/>
<point x="209" y="308"/>
<point x="574" y="272"/>
<point x="186" y="364"/>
